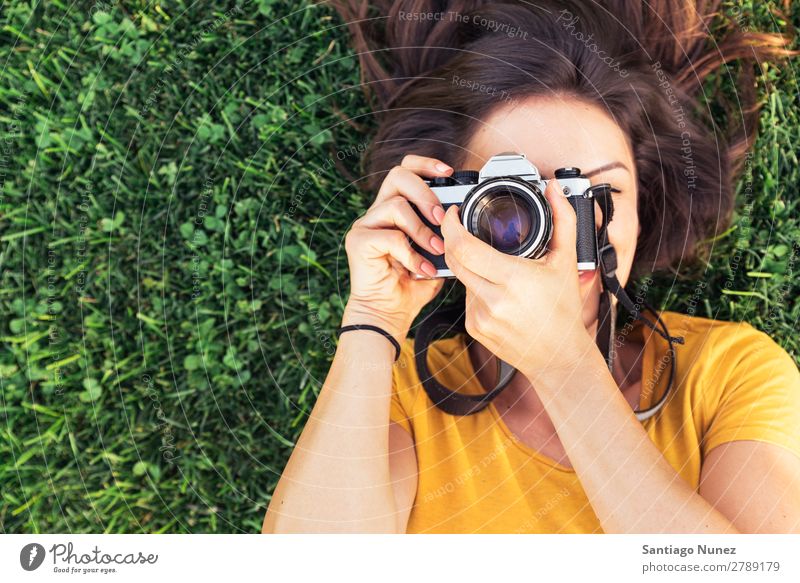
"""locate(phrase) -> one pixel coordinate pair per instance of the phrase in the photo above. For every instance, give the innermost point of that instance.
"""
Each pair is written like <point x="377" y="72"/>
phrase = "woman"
<point x="612" y="89"/>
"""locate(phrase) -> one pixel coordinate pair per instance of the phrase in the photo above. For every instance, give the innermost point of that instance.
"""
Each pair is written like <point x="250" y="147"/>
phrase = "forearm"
<point x="337" y="478"/>
<point x="630" y="485"/>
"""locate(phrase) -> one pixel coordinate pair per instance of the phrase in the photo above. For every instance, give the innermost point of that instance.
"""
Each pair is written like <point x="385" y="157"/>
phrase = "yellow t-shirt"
<point x="733" y="382"/>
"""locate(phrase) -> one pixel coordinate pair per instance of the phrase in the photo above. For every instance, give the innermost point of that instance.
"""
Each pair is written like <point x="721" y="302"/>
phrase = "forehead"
<point x="552" y="132"/>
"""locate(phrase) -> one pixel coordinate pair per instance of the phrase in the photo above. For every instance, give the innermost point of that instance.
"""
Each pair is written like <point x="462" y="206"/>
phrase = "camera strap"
<point x="450" y="320"/>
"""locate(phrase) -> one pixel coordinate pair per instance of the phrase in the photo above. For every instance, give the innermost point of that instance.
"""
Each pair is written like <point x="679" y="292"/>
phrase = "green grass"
<point x="174" y="199"/>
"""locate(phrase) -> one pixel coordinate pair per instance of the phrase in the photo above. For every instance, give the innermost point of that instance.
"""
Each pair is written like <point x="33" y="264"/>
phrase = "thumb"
<point x="429" y="288"/>
<point x="564" y="221"/>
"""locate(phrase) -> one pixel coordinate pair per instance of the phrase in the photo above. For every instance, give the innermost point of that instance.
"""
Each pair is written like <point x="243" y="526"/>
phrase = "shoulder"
<point x="722" y="356"/>
<point x="741" y="384"/>
<point x="724" y="343"/>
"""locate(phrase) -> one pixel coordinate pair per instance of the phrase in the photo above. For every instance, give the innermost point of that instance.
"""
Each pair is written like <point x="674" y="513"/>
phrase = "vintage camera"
<point x="504" y="205"/>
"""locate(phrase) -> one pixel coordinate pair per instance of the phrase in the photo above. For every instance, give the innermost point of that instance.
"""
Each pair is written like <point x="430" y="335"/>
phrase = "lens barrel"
<point x="510" y="214"/>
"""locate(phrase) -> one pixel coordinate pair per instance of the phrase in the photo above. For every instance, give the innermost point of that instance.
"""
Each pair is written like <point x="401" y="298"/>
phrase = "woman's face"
<point x="554" y="133"/>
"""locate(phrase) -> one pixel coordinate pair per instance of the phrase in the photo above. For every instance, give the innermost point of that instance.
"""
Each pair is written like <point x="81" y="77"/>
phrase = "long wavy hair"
<point x="643" y="63"/>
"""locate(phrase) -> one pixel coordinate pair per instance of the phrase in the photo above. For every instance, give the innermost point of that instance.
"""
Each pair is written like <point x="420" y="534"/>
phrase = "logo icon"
<point x="31" y="556"/>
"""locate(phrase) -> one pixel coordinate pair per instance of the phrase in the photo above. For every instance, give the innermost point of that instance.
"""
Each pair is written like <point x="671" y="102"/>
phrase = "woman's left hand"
<point x="526" y="312"/>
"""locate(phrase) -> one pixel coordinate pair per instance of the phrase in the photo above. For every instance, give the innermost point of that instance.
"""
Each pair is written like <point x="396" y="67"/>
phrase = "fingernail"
<point x="437" y="244"/>
<point x="428" y="268"/>
<point x="438" y="214"/>
<point x="441" y="167"/>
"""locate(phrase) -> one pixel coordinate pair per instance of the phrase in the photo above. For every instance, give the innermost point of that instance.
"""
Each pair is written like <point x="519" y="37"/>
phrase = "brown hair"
<point x="650" y="81"/>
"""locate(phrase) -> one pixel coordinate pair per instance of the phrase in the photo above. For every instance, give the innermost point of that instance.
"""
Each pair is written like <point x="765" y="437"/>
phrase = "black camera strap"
<point x="606" y="326"/>
<point x="450" y="320"/>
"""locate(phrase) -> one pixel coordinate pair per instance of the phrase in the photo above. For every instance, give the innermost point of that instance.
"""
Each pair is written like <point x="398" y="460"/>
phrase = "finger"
<point x="477" y="313"/>
<point x="455" y="261"/>
<point x="403" y="182"/>
<point x="467" y="250"/>
<point x="378" y="243"/>
<point x="473" y="282"/>
<point x="425" y="166"/>
<point x="397" y="212"/>
<point x="433" y="286"/>
<point x="564" y="221"/>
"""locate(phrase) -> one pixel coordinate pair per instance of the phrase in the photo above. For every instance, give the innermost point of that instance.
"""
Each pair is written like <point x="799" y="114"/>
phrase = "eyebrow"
<point x="605" y="168"/>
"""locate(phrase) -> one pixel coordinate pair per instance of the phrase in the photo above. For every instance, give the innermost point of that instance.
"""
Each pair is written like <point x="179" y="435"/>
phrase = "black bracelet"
<point x="381" y="331"/>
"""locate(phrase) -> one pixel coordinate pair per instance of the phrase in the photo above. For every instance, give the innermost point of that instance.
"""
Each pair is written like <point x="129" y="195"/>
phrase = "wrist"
<point x="575" y="353"/>
<point x="358" y="313"/>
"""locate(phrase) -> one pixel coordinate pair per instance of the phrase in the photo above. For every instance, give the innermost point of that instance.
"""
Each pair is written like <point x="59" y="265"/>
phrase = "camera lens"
<point x="505" y="221"/>
<point x="510" y="214"/>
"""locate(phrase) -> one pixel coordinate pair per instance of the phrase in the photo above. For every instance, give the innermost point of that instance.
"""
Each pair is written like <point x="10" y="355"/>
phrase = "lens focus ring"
<point x="510" y="214"/>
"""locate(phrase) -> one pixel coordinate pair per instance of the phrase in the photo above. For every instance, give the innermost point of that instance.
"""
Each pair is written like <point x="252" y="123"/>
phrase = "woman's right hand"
<point x="383" y="289"/>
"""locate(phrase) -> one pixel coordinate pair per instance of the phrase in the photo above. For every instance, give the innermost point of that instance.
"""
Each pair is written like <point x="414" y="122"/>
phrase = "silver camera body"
<point x="504" y="205"/>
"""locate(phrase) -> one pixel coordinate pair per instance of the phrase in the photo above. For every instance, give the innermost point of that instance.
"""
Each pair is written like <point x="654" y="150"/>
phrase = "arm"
<point x="751" y="457"/>
<point x="630" y="485"/>
<point x="755" y="484"/>
<point x="339" y="477"/>
<point x="746" y="486"/>
<point x="352" y="470"/>
<point x="403" y="468"/>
